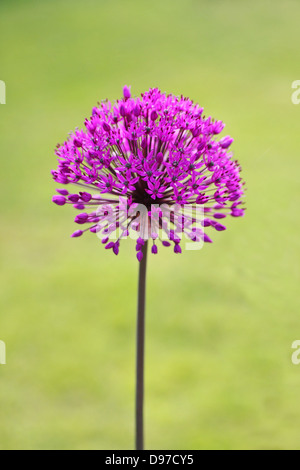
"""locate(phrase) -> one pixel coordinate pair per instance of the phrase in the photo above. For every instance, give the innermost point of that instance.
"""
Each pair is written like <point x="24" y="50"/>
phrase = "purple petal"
<point x="154" y="249"/>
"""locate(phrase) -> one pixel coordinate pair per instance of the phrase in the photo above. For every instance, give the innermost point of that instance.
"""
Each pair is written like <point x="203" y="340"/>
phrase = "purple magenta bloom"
<point x="156" y="149"/>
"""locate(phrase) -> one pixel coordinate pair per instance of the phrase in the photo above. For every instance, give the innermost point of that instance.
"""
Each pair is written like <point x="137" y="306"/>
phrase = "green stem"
<point x="140" y="353"/>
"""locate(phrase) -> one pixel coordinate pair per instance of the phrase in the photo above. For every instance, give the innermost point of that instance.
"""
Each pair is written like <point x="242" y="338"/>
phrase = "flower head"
<point x="153" y="151"/>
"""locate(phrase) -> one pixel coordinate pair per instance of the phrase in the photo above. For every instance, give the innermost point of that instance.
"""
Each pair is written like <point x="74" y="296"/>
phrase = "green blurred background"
<point x="220" y="322"/>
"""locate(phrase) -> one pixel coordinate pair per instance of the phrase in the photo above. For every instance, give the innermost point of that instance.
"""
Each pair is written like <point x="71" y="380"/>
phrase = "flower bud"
<point x="177" y="248"/>
<point x="86" y="197"/>
<point x="206" y="238"/>
<point x="126" y="92"/>
<point x="154" y="249"/>
<point x="137" y="110"/>
<point x="81" y="218"/>
<point x="77" y="143"/>
<point x="76" y="234"/>
<point x="218" y="127"/>
<point x="106" y="127"/>
<point x="79" y="207"/>
<point x="220" y="227"/>
<point x="226" y="142"/>
<point x="59" y="200"/>
<point x="73" y="198"/>
<point x="62" y="192"/>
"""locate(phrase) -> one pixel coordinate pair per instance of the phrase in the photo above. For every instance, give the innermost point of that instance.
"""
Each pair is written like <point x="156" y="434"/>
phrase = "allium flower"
<point x="137" y="164"/>
<point x="156" y="149"/>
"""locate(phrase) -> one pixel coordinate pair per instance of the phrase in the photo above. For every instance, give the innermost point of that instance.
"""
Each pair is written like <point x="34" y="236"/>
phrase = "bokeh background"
<point x="220" y="322"/>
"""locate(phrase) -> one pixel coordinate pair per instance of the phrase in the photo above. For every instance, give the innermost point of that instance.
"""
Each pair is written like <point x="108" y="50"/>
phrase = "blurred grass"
<point x="220" y="322"/>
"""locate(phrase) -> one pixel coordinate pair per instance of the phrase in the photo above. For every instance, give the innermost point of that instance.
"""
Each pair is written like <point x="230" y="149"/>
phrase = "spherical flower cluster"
<point x="155" y="150"/>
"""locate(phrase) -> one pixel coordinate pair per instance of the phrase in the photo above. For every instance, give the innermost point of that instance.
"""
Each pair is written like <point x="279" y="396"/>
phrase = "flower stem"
<point x="140" y="354"/>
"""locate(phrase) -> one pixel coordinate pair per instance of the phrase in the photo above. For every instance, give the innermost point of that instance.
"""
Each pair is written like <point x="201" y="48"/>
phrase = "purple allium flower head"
<point x="153" y="150"/>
